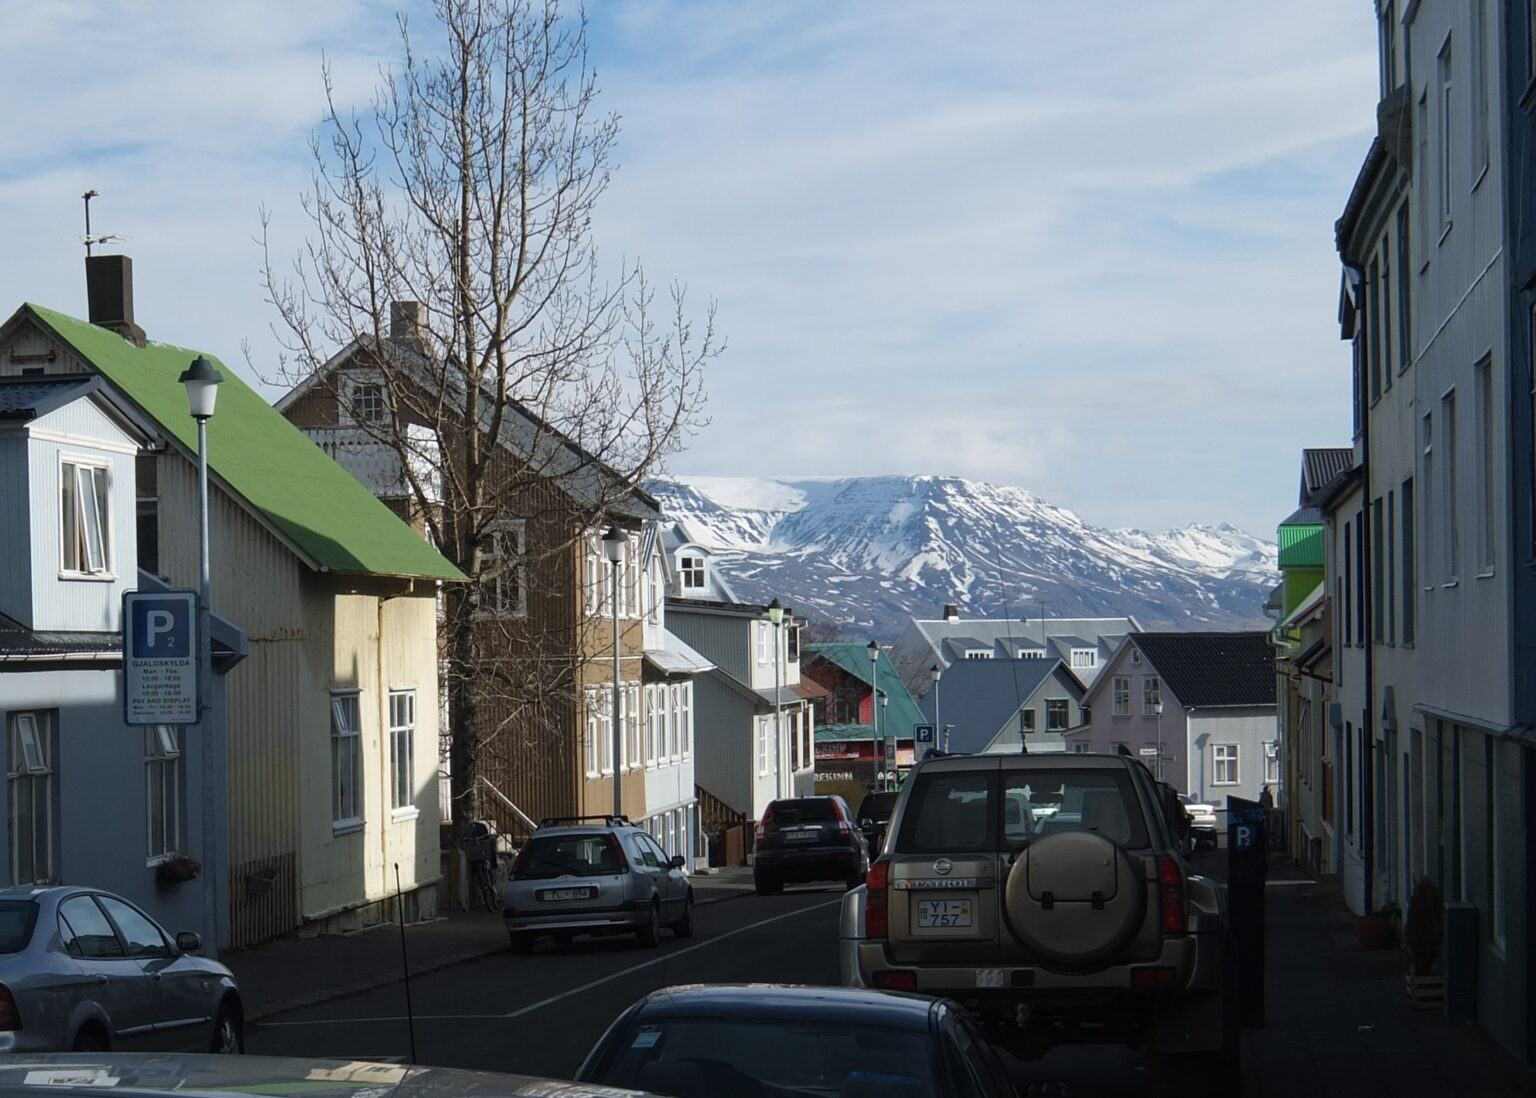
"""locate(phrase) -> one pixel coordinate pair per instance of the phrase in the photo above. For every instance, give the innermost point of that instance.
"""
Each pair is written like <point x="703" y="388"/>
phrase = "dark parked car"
<point x="874" y="814"/>
<point x="82" y="969"/>
<point x="808" y="839"/>
<point x="755" y="1040"/>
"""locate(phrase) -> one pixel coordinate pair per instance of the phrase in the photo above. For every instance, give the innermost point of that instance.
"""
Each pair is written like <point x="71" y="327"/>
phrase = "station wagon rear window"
<point x="17" y="918"/>
<point x="954" y="812"/>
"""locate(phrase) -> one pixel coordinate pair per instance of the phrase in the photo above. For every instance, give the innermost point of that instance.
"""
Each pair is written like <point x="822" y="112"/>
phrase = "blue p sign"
<point x="161" y="628"/>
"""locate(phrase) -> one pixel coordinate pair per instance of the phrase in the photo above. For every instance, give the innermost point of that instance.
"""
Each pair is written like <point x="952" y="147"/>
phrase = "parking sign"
<point x="922" y="733"/>
<point x="160" y="657"/>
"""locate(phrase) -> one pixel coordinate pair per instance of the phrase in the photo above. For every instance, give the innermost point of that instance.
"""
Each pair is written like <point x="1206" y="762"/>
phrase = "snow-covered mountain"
<point x="868" y="553"/>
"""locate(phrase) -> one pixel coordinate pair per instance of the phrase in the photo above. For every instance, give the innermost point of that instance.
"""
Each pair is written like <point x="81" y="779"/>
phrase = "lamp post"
<point x="890" y="756"/>
<point x="874" y="714"/>
<point x="613" y="547"/>
<point x="202" y="383"/>
<point x="776" y="616"/>
<point x="1157" y="707"/>
<point x="934" y="672"/>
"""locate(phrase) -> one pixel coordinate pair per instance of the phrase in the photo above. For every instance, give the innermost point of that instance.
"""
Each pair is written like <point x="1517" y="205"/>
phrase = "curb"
<point x="255" y="1013"/>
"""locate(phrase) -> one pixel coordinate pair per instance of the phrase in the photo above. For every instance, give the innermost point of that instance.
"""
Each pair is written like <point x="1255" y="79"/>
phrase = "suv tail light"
<point x="1172" y="917"/>
<point x="618" y="853"/>
<point x="10" y="1017"/>
<point x="763" y="823"/>
<point x="875" y="921"/>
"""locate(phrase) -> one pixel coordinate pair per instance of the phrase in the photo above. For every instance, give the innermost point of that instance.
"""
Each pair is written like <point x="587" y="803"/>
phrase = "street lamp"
<point x="202" y="382"/>
<point x="874" y="711"/>
<point x="613" y="547"/>
<point x="776" y="616"/>
<point x="1157" y="707"/>
<point x="938" y="725"/>
<point x="890" y="756"/>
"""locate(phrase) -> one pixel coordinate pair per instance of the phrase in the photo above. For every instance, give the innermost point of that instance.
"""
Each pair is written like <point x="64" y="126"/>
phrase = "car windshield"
<point x="687" y="1056"/>
<point x="877" y="806"/>
<point x="567" y="855"/>
<point x="17" y="918"/>
<point x="961" y="812"/>
<point x="810" y="810"/>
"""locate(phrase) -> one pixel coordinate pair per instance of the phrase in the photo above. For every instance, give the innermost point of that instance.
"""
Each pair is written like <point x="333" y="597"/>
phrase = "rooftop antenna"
<point x="88" y="239"/>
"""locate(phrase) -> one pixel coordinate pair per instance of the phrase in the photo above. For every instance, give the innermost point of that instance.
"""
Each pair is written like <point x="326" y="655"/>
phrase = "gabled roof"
<point x="583" y="475"/>
<point x="29" y="397"/>
<point x="1321" y="467"/>
<point x="901" y="712"/>
<point x="1213" y="670"/>
<point x="976" y="698"/>
<point x="324" y="514"/>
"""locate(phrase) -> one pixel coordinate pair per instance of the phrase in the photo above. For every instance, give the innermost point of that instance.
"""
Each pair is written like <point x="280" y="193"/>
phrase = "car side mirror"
<point x="188" y="942"/>
<point x="866" y="822"/>
<point x="676" y="861"/>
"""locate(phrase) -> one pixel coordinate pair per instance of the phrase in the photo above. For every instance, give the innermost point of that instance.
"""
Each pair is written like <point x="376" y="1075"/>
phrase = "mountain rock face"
<point x="868" y="553"/>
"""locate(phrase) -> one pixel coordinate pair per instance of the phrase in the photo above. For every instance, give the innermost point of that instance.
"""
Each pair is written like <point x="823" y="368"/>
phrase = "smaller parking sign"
<point x="922" y="733"/>
<point x="160" y="657"/>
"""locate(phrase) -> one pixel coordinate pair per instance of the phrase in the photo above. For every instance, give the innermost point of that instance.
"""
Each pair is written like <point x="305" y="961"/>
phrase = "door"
<point x="111" y="979"/>
<point x="674" y="883"/>
<point x="183" y="1021"/>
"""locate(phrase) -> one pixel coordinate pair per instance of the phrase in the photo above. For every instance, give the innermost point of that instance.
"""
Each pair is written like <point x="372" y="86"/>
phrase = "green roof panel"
<point x="278" y="471"/>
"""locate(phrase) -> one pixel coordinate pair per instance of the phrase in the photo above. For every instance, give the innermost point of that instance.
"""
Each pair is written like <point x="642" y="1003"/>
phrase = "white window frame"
<point x="402" y="752"/>
<point x="162" y="791"/>
<point x="1272" y="763"/>
<point x="29" y="766"/>
<point x="1085" y="658"/>
<point x="503" y="587"/>
<point x="346" y="760"/>
<point x="85" y="518"/>
<point x="1064" y="706"/>
<point x="367" y="400"/>
<point x="685" y="718"/>
<point x="764" y="646"/>
<point x="692" y="571"/>
<point x="1226" y="759"/>
<point x="1120" y="687"/>
<point x="763" y="736"/>
<point x="1446" y="84"/>
<point x="1151" y="694"/>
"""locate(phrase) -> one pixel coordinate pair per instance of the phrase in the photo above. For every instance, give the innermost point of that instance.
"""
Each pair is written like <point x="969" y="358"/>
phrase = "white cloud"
<point x="1081" y="248"/>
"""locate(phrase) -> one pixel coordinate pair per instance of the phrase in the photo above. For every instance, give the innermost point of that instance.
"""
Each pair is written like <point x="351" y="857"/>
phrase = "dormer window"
<point x="366" y="401"/>
<point x="691" y="567"/>
<point x="1083" y="658"/>
<point x="83" y="509"/>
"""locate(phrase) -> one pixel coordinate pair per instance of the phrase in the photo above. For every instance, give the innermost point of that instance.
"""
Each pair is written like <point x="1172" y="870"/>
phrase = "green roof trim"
<point x="273" y="466"/>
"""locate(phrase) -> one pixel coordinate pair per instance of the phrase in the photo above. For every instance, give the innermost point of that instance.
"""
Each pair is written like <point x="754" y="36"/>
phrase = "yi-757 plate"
<point x="943" y="913"/>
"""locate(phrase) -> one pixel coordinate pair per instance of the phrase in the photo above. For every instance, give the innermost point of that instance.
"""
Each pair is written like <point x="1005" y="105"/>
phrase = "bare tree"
<point x="517" y="381"/>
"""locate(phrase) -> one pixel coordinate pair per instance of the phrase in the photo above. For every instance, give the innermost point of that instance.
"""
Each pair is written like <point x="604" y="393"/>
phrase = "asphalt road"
<point x="539" y="1015"/>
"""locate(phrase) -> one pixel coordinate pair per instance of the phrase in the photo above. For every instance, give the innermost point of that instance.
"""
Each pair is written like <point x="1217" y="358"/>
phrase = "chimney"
<point x="951" y="613"/>
<point x="407" y="324"/>
<point x="109" y="291"/>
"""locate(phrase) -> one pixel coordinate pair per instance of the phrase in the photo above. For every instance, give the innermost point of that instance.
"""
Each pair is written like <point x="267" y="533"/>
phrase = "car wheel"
<point x="89" y="1039"/>
<point x="228" y="1032"/>
<point x="766" y="886"/>
<point x="649" y="934"/>
<point x="683" y="928"/>
<point x="522" y="943"/>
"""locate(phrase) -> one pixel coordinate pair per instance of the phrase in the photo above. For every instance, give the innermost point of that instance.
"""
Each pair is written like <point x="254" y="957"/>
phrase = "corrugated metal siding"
<point x="1301" y="546"/>
<point x="725" y="641"/>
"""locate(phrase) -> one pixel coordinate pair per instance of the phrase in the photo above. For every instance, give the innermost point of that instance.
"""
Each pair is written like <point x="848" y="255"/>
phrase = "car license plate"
<point x="800" y="836"/>
<point x="566" y="894"/>
<point x="932" y="913"/>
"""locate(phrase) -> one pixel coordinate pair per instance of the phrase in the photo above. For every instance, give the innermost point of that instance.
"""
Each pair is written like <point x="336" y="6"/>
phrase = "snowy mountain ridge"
<point x="869" y="553"/>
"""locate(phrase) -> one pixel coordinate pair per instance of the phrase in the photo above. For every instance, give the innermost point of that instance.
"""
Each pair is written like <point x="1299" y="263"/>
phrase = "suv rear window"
<point x="557" y="855"/>
<point x="959" y="812"/>
<point x="809" y="810"/>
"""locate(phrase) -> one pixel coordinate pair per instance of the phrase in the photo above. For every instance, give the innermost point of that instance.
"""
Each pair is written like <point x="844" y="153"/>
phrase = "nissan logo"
<point x="943" y="866"/>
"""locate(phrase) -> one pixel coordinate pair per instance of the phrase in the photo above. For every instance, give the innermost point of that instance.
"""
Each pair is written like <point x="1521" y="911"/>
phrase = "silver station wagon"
<point x="594" y="875"/>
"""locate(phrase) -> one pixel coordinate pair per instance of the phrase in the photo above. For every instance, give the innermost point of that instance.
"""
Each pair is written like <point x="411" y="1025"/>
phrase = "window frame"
<point x="30" y="736"/>
<point x="1058" y="708"/>
<point x="402" y="746"/>
<point x="163" y="786"/>
<point x="1151" y="695"/>
<point x="1221" y="761"/>
<point x="85" y="518"/>
<point x="1120" y="690"/>
<point x="346" y="753"/>
<point x="501" y="568"/>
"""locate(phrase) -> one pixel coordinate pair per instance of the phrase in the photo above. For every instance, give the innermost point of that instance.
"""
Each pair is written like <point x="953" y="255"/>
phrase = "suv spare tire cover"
<point x="1069" y="868"/>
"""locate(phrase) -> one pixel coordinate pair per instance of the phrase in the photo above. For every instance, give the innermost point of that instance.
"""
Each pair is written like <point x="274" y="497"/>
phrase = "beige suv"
<point x="1049" y="894"/>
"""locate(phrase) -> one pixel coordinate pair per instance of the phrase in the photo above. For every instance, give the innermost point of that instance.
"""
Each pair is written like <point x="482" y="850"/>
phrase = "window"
<point x="654" y="699"/>
<point x="1479" y="75"/>
<point x="1385" y="307"/>
<point x="402" y="748"/>
<point x="1151" y="696"/>
<point x="1446" y="84"/>
<point x="367" y="403"/>
<point x="764" y="735"/>
<point x="1224" y="756"/>
<point x="1391" y="554"/>
<point x="1056" y="715"/>
<point x="1026" y="720"/>
<point x="147" y="485"/>
<point x="1486" y="489"/>
<point x="1349" y="579"/>
<point x="1427" y="478"/>
<point x="85" y="931"/>
<point x="1388" y="39"/>
<point x="346" y="762"/>
<point x="685" y="717"/>
<point x="1421" y="156"/>
<point x="142" y="936"/>
<point x="162" y="789"/>
<point x="1122" y="696"/>
<point x="1449" y="505"/>
<point x="503" y="588"/>
<point x="30" y="777"/>
<point x="1272" y="763"/>
<point x="1084" y="658"/>
<point x="1378" y="572"/>
<point x="83" y="508"/>
<point x="691" y="568"/>
<point x="1410" y="565"/>
<point x="1403" y="290"/>
<point x="1373" y="346"/>
<point x="764" y="643"/>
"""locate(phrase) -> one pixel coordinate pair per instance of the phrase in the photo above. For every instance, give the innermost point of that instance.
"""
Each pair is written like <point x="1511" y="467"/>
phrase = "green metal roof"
<point x="841" y="733"/>
<point x="1301" y="545"/>
<point x="269" y="463"/>
<point x="901" y="712"/>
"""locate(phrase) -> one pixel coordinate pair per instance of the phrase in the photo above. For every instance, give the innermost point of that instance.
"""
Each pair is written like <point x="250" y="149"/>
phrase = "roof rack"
<point x="610" y="820"/>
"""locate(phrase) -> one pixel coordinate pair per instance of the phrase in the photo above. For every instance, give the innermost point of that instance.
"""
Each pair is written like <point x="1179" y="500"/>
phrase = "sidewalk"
<point x="297" y="972"/>
<point x="1337" y="1021"/>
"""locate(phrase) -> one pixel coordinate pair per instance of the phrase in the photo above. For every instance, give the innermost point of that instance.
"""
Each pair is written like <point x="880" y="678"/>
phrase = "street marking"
<point x="665" y="958"/>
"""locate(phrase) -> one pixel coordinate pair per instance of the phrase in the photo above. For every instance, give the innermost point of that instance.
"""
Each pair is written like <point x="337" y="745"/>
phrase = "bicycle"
<point x="480" y="856"/>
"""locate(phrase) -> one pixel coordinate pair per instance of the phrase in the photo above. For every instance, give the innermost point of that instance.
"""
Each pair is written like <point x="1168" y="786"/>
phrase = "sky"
<point x="1084" y="249"/>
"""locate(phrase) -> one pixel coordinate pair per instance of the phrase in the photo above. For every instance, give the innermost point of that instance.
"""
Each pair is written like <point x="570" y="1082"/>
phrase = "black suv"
<point x="808" y="839"/>
<point x="874" y="815"/>
<point x="1049" y="893"/>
